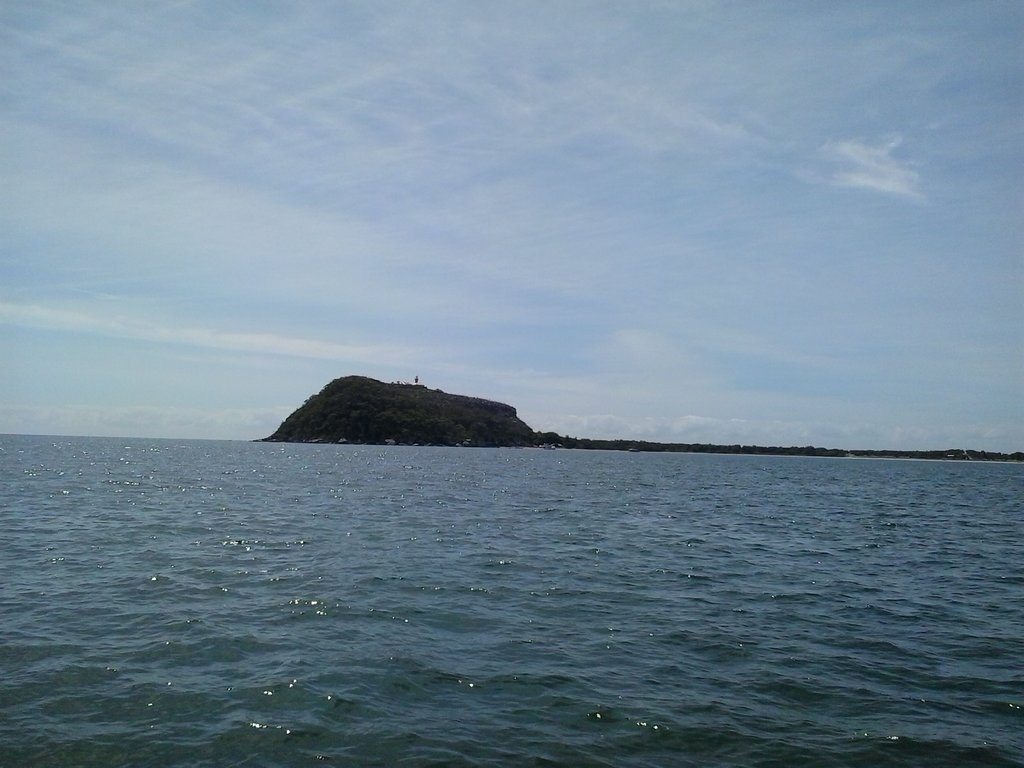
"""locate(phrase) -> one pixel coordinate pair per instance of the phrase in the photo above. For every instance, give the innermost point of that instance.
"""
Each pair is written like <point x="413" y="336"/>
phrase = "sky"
<point x="794" y="223"/>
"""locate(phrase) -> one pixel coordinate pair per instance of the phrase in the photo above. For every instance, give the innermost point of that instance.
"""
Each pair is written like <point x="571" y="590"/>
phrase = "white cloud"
<point x="684" y="429"/>
<point x="847" y="434"/>
<point x="49" y="318"/>
<point x="873" y="167"/>
<point x="157" y="421"/>
<point x="575" y="213"/>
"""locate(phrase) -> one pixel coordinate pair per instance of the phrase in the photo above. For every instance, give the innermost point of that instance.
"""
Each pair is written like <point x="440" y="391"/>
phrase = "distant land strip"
<point x="949" y="454"/>
<point x="361" y="410"/>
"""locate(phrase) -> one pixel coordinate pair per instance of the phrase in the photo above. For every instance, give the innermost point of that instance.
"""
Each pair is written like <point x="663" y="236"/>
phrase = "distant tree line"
<point x="584" y="443"/>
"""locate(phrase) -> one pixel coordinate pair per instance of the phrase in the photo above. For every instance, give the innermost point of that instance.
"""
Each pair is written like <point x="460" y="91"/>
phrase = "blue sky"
<point x="774" y="223"/>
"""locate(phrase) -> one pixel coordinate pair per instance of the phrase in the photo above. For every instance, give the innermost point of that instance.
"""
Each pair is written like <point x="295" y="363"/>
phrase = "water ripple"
<point x="232" y="604"/>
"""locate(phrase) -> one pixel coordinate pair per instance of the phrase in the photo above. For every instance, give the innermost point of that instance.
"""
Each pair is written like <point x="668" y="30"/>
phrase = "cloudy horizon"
<point x="781" y="224"/>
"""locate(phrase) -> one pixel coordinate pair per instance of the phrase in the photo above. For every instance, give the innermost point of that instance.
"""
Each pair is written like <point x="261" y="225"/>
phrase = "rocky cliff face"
<point x="357" y="409"/>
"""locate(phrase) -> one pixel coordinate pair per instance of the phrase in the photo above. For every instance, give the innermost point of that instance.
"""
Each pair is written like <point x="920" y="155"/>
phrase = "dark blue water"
<point x="235" y="604"/>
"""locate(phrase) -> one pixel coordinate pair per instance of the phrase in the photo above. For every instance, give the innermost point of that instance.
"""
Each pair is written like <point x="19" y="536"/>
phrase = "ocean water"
<point x="196" y="603"/>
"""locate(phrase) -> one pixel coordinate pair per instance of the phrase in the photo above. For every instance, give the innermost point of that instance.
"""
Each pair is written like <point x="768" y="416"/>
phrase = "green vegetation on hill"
<point x="357" y="409"/>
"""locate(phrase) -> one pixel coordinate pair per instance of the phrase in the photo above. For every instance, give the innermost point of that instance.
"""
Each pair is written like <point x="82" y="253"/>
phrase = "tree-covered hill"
<point x="358" y="409"/>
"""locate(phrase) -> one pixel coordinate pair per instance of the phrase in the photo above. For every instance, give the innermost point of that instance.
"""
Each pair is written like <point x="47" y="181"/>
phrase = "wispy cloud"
<point x="143" y="421"/>
<point x="873" y="167"/>
<point x="58" y="319"/>
<point x="577" y="213"/>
